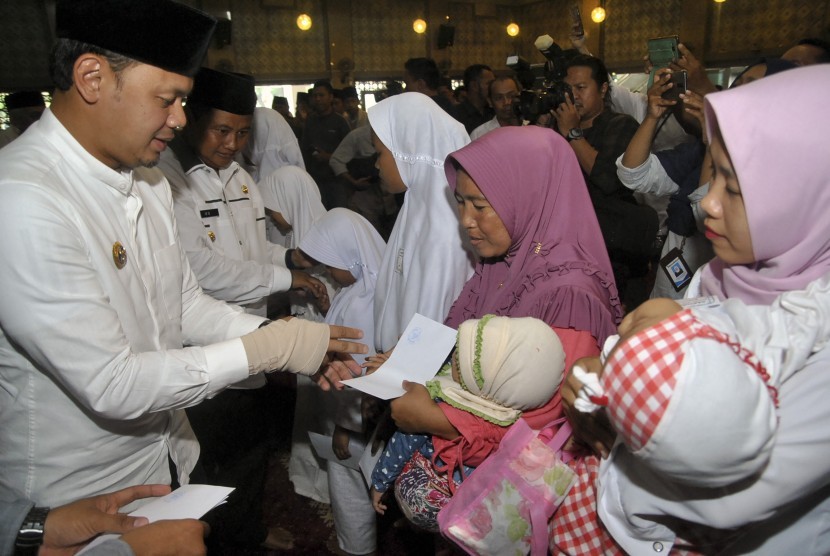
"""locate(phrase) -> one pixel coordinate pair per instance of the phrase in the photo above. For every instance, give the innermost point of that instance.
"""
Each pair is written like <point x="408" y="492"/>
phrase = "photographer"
<point x="598" y="135"/>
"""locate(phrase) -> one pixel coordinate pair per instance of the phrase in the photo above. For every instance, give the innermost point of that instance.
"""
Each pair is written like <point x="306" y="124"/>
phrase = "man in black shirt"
<point x="475" y="110"/>
<point x="598" y="136"/>
<point x="421" y="75"/>
<point x="322" y="133"/>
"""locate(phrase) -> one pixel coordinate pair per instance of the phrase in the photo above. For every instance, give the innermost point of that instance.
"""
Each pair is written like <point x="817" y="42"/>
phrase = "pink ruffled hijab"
<point x="557" y="266"/>
<point x="775" y="131"/>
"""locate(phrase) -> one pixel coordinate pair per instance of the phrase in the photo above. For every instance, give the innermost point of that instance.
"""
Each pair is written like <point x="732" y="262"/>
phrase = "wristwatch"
<point x="30" y="535"/>
<point x="574" y="134"/>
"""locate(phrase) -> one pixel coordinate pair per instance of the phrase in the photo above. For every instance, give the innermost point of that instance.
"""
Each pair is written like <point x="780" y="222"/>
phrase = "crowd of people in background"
<point x="648" y="270"/>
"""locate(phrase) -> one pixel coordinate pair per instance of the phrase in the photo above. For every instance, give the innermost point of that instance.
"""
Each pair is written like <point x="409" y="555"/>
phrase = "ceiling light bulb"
<point x="304" y="22"/>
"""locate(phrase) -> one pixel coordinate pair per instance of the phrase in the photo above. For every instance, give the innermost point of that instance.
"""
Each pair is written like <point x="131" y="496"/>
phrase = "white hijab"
<point x="425" y="264"/>
<point x="271" y="145"/>
<point x="345" y="240"/>
<point x="293" y="193"/>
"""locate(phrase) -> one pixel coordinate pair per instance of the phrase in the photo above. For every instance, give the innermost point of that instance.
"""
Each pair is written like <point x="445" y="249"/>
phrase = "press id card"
<point x="675" y="267"/>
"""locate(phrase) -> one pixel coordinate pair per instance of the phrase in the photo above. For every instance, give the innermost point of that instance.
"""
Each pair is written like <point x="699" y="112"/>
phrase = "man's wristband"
<point x="30" y="536"/>
<point x="574" y="134"/>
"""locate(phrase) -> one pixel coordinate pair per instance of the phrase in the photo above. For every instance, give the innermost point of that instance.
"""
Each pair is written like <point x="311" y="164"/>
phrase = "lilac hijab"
<point x="775" y="131"/>
<point x="557" y="267"/>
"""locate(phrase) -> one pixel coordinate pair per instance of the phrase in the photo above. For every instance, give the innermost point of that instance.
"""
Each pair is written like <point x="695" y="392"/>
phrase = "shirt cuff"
<point x="633" y="178"/>
<point x="281" y="280"/>
<point x="227" y="364"/>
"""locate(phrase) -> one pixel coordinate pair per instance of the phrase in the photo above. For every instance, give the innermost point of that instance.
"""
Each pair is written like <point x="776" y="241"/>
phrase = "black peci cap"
<point x="230" y="92"/>
<point x="162" y="33"/>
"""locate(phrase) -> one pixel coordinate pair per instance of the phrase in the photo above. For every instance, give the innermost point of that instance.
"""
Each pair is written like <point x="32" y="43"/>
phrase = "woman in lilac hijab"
<point x="768" y="223"/>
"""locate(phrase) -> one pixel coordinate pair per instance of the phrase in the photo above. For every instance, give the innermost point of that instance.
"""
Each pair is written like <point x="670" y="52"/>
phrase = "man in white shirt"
<point x="221" y="219"/>
<point x="97" y="298"/>
<point x="218" y="206"/>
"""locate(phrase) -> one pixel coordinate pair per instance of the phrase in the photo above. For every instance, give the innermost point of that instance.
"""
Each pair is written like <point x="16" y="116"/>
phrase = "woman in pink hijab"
<point x="767" y="220"/>
<point x="524" y="207"/>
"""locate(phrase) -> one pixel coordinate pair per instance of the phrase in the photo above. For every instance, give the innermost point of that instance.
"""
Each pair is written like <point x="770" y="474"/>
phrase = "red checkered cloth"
<point x="575" y="528"/>
<point x="641" y="374"/>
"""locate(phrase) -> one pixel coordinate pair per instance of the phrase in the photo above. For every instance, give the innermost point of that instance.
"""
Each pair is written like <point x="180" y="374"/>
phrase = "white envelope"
<point x="418" y="356"/>
<point x="186" y="502"/>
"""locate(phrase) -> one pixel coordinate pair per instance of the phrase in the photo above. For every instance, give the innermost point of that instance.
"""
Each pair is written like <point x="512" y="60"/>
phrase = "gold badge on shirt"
<point x="119" y="255"/>
<point x="245" y="189"/>
<point x="212" y="236"/>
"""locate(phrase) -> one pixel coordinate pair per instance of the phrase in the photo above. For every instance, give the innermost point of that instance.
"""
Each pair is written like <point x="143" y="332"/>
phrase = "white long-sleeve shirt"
<point x="93" y="376"/>
<point x="221" y="219"/>
<point x="625" y="101"/>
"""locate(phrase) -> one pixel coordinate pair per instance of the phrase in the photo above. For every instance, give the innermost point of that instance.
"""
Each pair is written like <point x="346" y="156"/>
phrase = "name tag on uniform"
<point x="208" y="213"/>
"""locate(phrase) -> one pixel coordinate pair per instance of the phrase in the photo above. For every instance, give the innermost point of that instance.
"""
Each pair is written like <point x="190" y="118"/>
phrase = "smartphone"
<point x="661" y="52"/>
<point x="678" y="79"/>
<point x="576" y="21"/>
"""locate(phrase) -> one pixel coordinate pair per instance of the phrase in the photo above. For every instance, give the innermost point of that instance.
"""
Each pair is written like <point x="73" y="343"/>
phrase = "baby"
<point x="501" y="367"/>
<point x="709" y="425"/>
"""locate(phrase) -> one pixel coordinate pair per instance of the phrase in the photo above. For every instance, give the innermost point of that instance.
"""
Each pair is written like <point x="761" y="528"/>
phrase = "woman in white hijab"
<point x="425" y="264"/>
<point x="352" y="251"/>
<point x="292" y="193"/>
<point x="271" y="144"/>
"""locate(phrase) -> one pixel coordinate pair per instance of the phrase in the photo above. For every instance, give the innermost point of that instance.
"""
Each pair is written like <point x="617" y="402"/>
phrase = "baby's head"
<point x="503" y="366"/>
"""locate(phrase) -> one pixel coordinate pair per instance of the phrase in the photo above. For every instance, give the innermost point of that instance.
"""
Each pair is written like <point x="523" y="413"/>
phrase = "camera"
<point x="544" y="86"/>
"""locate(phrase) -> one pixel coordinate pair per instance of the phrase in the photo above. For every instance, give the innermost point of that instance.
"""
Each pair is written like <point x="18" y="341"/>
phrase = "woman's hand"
<point x="309" y="284"/>
<point x="416" y="412"/>
<point x="593" y="429"/>
<point x="373" y="362"/>
<point x="693" y="108"/>
<point x="647" y="315"/>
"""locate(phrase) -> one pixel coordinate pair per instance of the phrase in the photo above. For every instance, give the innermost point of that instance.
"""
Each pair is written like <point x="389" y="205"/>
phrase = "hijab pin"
<point x="538" y="247"/>
<point x="212" y="236"/>
<point x="119" y="255"/>
<point x="245" y="189"/>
